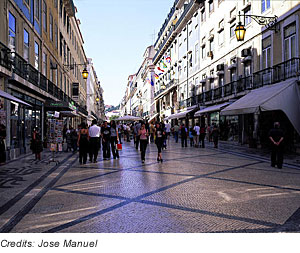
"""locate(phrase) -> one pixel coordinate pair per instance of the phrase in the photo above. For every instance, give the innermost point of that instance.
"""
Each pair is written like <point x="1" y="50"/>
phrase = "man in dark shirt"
<point x="105" y="134"/>
<point x="276" y="137"/>
<point x="183" y="136"/>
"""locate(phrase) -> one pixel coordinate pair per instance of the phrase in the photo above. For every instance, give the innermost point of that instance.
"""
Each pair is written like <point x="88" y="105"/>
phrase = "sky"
<point x="116" y="34"/>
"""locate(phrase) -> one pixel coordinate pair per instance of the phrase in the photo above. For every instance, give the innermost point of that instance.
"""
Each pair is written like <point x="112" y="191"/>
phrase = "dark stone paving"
<point x="193" y="190"/>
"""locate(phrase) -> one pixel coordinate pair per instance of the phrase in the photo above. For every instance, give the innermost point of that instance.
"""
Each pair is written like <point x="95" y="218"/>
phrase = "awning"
<point x="12" y="98"/>
<point x="213" y="108"/>
<point x="69" y="114"/>
<point x="181" y="114"/>
<point x="284" y="96"/>
<point x="129" y="118"/>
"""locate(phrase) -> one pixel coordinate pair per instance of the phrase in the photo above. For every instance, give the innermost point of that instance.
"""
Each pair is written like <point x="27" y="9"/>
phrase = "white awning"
<point x="129" y="118"/>
<point x="284" y="96"/>
<point x="12" y="98"/>
<point x="213" y="108"/>
<point x="180" y="115"/>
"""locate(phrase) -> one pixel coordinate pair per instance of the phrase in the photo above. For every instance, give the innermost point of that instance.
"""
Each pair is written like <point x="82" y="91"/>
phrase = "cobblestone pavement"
<point x="193" y="190"/>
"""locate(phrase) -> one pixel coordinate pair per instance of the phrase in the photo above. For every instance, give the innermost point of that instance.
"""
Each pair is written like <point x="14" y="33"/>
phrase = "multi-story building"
<point x="139" y="95"/>
<point x="41" y="64"/>
<point x="94" y="95"/>
<point x="202" y="69"/>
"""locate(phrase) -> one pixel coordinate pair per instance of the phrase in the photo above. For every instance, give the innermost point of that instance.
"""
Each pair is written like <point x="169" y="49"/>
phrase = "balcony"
<point x="268" y="76"/>
<point x="171" y="83"/>
<point x="5" y="58"/>
<point x="26" y="71"/>
<point x="183" y="15"/>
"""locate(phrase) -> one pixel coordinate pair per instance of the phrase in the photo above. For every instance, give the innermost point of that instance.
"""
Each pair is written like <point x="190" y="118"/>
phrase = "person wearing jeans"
<point x="143" y="137"/>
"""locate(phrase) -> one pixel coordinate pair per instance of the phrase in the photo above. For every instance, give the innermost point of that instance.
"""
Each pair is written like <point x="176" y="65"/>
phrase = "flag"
<point x="152" y="81"/>
<point x="164" y="65"/>
<point x="160" y="69"/>
<point x="156" y="76"/>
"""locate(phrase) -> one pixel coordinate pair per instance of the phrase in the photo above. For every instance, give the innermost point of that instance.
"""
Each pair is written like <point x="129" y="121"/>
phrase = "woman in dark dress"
<point x="2" y="145"/>
<point x="159" y="140"/>
<point x="83" y="143"/>
<point x="37" y="145"/>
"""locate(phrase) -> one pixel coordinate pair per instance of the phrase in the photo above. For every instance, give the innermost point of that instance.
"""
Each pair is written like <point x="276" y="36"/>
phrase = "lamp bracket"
<point x="72" y="66"/>
<point x="268" y="22"/>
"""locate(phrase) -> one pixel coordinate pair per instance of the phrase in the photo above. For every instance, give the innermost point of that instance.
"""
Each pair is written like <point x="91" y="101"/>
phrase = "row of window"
<point x="26" y="45"/>
<point x="289" y="48"/>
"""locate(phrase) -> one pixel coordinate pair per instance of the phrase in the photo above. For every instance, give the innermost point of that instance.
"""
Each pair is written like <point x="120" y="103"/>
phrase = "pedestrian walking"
<point x="136" y="130"/>
<point x="196" y="135"/>
<point x="120" y="131"/>
<point x="152" y="129"/>
<point x="202" y="135"/>
<point x="184" y="134"/>
<point x="105" y="134"/>
<point x="168" y="130"/>
<point x="114" y="139"/>
<point x="209" y="129"/>
<point x="83" y="143"/>
<point x="143" y="136"/>
<point x="215" y="135"/>
<point x="176" y="132"/>
<point x="94" y="133"/>
<point x="276" y="136"/>
<point x="36" y="144"/>
<point x="69" y="139"/>
<point x="191" y="136"/>
<point x="2" y="144"/>
<point x="128" y="131"/>
<point x="74" y="136"/>
<point x="159" y="140"/>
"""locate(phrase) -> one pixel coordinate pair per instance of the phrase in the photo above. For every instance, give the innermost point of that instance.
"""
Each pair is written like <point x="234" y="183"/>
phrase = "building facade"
<point x="201" y="69"/>
<point x="95" y="102"/>
<point x="41" y="64"/>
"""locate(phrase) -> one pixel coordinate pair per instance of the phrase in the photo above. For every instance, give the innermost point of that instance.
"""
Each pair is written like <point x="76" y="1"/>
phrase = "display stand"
<point x="55" y="138"/>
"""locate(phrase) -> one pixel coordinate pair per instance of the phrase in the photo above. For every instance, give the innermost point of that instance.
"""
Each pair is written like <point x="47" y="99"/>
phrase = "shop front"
<point x="20" y="114"/>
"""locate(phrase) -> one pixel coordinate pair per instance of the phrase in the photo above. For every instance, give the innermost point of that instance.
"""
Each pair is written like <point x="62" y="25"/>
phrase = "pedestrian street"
<point x="194" y="190"/>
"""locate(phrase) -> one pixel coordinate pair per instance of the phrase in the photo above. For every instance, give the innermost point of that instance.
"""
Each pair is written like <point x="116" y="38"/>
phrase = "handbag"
<point x="119" y="147"/>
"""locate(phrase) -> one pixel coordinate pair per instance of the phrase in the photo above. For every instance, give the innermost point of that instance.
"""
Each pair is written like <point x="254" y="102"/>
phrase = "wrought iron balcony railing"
<point x="268" y="76"/>
<point x="5" y="57"/>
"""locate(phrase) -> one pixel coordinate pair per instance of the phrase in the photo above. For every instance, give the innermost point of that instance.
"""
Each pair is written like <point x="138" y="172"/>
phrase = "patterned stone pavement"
<point x="193" y="190"/>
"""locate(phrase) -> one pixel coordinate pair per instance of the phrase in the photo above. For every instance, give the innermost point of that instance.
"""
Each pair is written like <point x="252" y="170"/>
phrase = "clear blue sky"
<point x="116" y="34"/>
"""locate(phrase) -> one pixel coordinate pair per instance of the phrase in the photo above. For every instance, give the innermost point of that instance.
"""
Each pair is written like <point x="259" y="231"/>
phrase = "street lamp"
<point x="268" y="22"/>
<point x="84" y="73"/>
<point x="240" y="32"/>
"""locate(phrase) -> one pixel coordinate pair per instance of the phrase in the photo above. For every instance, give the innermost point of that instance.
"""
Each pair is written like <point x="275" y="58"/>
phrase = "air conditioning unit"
<point x="246" y="52"/>
<point x="210" y="54"/>
<point x="220" y="67"/>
